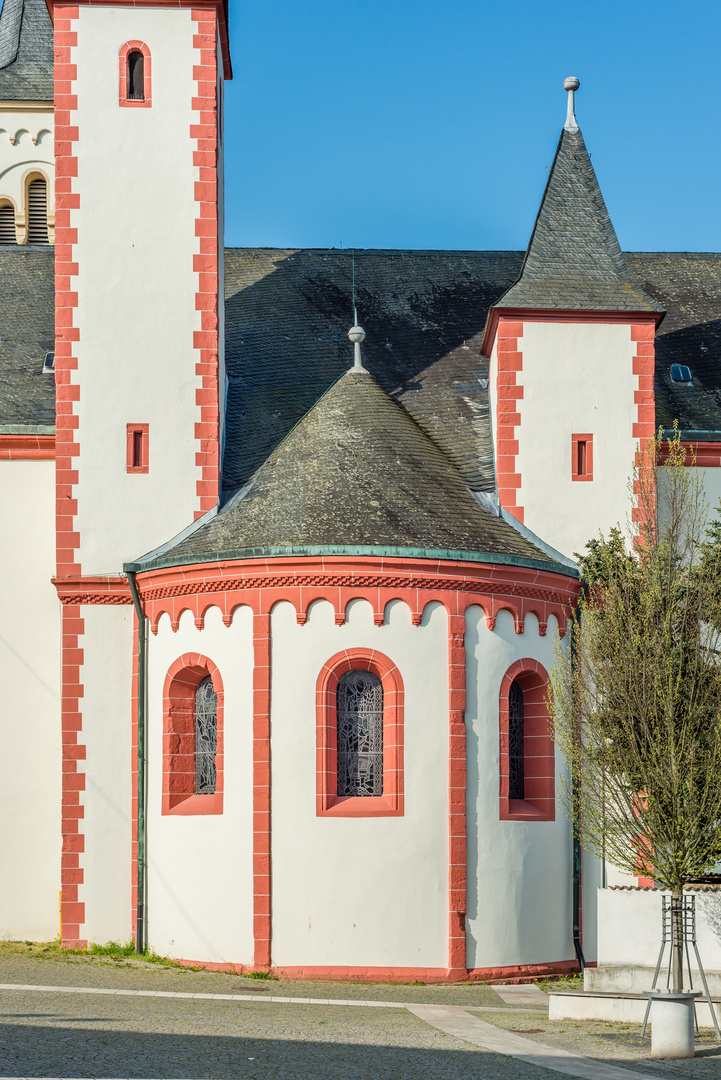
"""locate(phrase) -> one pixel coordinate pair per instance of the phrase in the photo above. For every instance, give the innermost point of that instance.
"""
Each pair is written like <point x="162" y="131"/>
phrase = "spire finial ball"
<point x="571" y="83"/>
<point x="356" y="334"/>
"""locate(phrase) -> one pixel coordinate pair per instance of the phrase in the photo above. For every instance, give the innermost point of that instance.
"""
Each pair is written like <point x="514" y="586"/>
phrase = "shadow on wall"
<point x="287" y="319"/>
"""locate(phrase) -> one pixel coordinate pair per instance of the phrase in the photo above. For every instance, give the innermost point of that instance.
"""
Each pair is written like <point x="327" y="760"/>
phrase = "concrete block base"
<point x="624" y="1008"/>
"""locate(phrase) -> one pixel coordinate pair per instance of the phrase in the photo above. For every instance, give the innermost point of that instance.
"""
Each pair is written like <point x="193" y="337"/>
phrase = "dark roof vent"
<point x="49" y="363"/>
<point x="680" y="375"/>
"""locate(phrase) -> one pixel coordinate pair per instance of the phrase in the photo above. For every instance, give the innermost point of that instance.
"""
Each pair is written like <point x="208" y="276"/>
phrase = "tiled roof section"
<point x="27" y="333"/>
<point x="26" y="51"/>
<point x="287" y="318"/>
<point x="357" y="471"/>
<point x="573" y="259"/>
<point x="689" y="287"/>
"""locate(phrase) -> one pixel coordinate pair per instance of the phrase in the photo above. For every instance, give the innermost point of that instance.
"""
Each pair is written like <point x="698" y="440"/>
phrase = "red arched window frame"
<point x="124" y="100"/>
<point x="183" y="679"/>
<point x="539" y="758"/>
<point x="328" y="802"/>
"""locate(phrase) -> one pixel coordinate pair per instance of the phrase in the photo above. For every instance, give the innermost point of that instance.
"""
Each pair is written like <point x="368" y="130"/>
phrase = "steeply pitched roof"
<point x="573" y="259"/>
<point x="357" y="472"/>
<point x="26" y="51"/>
<point x="27" y="333"/>
<point x="287" y="314"/>
<point x="688" y="285"/>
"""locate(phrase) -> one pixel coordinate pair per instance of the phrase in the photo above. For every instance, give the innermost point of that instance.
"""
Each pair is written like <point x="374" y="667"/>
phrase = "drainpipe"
<point x="142" y="679"/>
<point x="576" y="826"/>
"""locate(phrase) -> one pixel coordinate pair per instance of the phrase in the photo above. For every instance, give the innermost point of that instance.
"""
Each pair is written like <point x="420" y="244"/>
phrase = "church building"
<point x="279" y="608"/>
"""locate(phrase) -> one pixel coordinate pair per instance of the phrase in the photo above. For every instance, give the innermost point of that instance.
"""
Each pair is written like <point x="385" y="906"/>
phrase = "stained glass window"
<point x="360" y="734"/>
<point x="515" y="742"/>
<point x="206" y="737"/>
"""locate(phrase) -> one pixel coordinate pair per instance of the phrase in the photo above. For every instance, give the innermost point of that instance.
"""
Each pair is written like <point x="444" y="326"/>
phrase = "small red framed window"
<point x="376" y="782"/>
<point x="135" y="81"/>
<point x="193" y="737"/>
<point x="527" y="753"/>
<point x="138" y="436"/>
<point x="582" y="457"/>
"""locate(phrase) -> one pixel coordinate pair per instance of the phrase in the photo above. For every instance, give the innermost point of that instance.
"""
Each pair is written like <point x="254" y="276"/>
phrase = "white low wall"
<point x="629" y="939"/>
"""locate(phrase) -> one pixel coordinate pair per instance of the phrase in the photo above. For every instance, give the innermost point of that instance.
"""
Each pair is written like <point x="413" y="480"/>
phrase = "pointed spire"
<point x="26" y="51"/>
<point x="574" y="260"/>
<point x="571" y="84"/>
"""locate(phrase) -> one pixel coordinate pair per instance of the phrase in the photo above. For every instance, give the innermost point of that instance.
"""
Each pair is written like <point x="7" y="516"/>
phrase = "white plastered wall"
<point x="519" y="872"/>
<point x="200" y="868"/>
<point x="30" y="764"/>
<point x="107" y="734"/>
<point x="576" y="378"/>
<point x="26" y="146"/>
<point x="136" y="285"/>
<point x="359" y="891"/>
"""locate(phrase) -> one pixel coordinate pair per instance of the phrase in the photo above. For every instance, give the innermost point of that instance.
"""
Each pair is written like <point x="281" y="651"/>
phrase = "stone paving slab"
<point x="522" y="994"/>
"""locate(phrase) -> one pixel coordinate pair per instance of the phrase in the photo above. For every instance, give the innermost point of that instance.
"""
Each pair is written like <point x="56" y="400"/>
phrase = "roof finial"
<point x="356" y="332"/>
<point x="571" y="84"/>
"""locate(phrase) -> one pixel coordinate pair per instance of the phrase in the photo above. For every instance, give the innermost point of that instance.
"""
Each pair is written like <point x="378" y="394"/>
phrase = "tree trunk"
<point x="677" y="942"/>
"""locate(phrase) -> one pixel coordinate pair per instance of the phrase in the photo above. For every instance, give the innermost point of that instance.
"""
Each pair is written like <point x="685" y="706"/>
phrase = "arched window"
<point x="206" y="737"/>
<point x="193" y="737"/>
<point x="516" y="749"/>
<point x="136" y="76"/>
<point x="527" y="756"/>
<point x="7" y="225"/>
<point x="38" y="211"/>
<point x="360" y="734"/>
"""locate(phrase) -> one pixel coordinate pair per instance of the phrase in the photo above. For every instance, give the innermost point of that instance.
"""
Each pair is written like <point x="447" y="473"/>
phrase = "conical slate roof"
<point x="356" y="475"/>
<point x="573" y="258"/>
<point x="26" y="51"/>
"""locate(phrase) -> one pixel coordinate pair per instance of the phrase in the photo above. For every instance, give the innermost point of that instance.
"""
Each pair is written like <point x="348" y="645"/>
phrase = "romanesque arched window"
<point x="7" y="224"/>
<point x="136" y="75"/>
<point x="206" y="737"/>
<point x="527" y="755"/>
<point x="516" y="749"/>
<point x="360" y="734"/>
<point x="38" y="211"/>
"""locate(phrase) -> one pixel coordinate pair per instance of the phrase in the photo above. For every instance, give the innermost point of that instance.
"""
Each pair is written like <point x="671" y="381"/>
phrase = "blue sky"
<point x="406" y="123"/>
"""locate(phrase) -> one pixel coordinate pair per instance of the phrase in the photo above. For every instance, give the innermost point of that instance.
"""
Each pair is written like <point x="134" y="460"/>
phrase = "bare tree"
<point x="636" y="698"/>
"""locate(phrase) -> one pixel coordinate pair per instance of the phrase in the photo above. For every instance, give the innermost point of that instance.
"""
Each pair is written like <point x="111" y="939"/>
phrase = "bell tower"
<point x="139" y="377"/>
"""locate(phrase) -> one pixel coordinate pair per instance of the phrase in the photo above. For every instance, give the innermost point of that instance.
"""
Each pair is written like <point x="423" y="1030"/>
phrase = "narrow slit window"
<point x="206" y="737"/>
<point x="582" y="457"/>
<point x="360" y="734"/>
<point x="7" y="225"/>
<point x="136" y="76"/>
<point x="516" y="747"/>
<point x="38" y="211"/>
<point x="137" y="448"/>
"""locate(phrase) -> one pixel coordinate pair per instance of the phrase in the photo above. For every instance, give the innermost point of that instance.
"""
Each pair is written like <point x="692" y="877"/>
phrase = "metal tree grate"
<point x="678" y="930"/>
<point x="360" y="734"/>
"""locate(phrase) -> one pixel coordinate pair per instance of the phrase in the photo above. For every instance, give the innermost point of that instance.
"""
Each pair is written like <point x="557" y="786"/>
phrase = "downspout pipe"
<point x="142" y="693"/>
<point x="576" y="824"/>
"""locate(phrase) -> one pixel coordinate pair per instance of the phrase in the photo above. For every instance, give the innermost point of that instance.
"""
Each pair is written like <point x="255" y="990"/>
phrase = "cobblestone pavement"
<point x="611" y="1042"/>
<point x="58" y="1034"/>
<point x="84" y="1035"/>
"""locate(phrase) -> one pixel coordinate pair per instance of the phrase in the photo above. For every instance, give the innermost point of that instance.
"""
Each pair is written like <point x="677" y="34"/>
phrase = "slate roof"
<point x="26" y="51"/>
<point x="27" y="333"/>
<point x="356" y="473"/>
<point x="573" y="260"/>
<point x="688" y="285"/>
